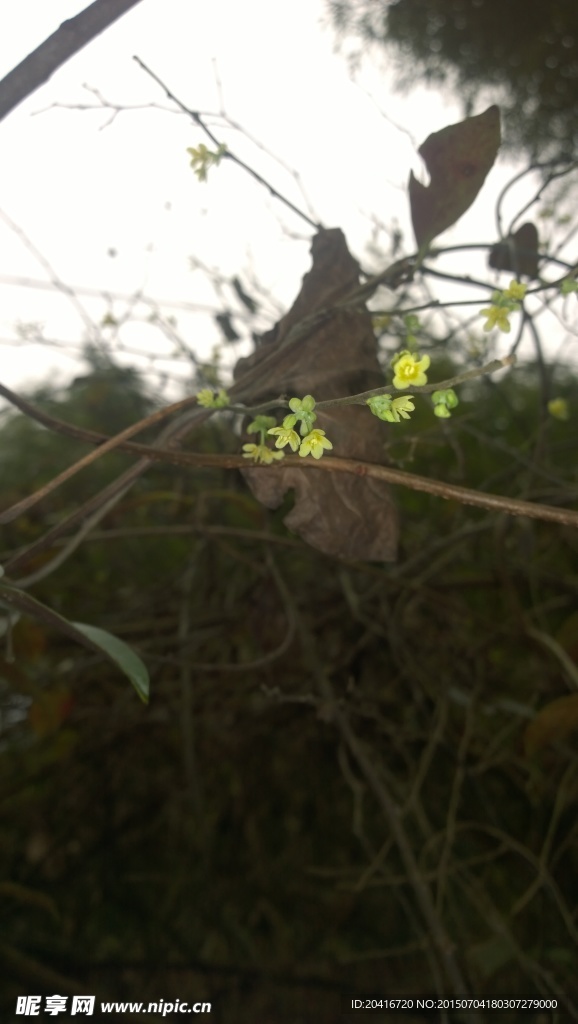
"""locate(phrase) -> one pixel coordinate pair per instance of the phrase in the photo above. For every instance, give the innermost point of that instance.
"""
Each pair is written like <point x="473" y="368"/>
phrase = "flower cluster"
<point x="312" y="441"/>
<point x="260" y="452"/>
<point x="409" y="371"/>
<point x="301" y="409"/>
<point x="391" y="409"/>
<point x="503" y="303"/>
<point x="443" y="401"/>
<point x="213" y="399"/>
<point x="202" y="159"/>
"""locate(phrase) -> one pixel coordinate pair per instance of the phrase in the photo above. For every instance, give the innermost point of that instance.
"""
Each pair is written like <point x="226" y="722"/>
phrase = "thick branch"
<point x="439" y="488"/>
<point x="72" y="35"/>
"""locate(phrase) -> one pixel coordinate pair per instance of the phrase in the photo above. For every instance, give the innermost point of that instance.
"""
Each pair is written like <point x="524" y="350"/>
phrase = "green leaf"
<point x="122" y="655"/>
<point x="89" y="636"/>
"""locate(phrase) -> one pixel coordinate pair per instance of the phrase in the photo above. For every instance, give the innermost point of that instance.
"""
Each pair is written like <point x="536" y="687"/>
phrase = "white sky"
<point x="78" y="189"/>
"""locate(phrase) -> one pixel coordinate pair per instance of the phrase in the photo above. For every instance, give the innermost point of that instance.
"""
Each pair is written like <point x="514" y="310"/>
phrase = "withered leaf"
<point x="225" y="322"/>
<point x="567" y="636"/>
<point x="518" y="252"/>
<point x="341" y="514"/>
<point x="242" y="295"/>
<point x="458" y="159"/>
<point x="553" y="723"/>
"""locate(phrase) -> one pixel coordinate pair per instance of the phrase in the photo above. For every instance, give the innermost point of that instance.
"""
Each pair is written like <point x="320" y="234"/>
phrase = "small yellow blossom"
<point x="497" y="316"/>
<point x="314" y="444"/>
<point x="391" y="409"/>
<point x="260" y="453"/>
<point x="202" y="159"/>
<point x="410" y="371"/>
<point x="517" y="290"/>
<point x="386" y="408"/>
<point x="285" y="436"/>
<point x="400" y="408"/>
<point x="210" y="399"/>
<point x="558" y="408"/>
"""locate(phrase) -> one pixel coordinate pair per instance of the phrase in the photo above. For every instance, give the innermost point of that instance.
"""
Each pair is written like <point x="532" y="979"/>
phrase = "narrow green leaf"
<point x="123" y="656"/>
<point x="89" y="636"/>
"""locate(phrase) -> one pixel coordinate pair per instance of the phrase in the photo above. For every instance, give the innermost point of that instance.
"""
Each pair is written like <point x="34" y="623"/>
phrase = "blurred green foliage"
<point x="523" y="56"/>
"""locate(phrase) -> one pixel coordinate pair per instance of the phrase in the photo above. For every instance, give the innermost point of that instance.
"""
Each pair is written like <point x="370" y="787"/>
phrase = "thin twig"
<point x="452" y="382"/>
<point x="196" y="117"/>
<point x="55" y="281"/>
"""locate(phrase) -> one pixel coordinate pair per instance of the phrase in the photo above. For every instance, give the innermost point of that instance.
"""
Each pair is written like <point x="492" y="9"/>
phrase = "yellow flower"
<point x="517" y="290"/>
<point x="558" y="408"/>
<point x="400" y="407"/>
<point x="314" y="444"/>
<point x="410" y="371"/>
<point x="260" y="453"/>
<point x="202" y="159"/>
<point x="496" y="316"/>
<point x="285" y="435"/>
<point x="213" y="399"/>
<point x="205" y="397"/>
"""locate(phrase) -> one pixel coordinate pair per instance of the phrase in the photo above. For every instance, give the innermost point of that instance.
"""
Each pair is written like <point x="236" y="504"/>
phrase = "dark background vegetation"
<point x="223" y="843"/>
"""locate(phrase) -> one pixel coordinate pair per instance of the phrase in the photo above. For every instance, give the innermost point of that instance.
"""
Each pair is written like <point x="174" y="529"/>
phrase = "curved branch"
<point x="439" y="488"/>
<point x="103" y="447"/>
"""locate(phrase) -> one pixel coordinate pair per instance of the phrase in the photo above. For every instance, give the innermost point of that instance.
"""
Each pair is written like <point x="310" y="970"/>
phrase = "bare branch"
<point x="69" y="38"/>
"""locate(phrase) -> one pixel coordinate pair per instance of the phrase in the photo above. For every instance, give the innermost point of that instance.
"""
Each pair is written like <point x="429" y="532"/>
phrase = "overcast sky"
<point x="112" y="205"/>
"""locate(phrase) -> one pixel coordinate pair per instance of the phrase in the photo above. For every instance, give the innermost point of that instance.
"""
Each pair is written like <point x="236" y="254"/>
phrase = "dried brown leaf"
<point x="554" y="722"/>
<point x="518" y="252"/>
<point x="341" y="514"/>
<point x="567" y="636"/>
<point x="458" y="159"/>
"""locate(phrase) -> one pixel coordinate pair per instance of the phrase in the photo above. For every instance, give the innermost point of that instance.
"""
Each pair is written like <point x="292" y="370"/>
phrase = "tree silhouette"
<point x="523" y="56"/>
